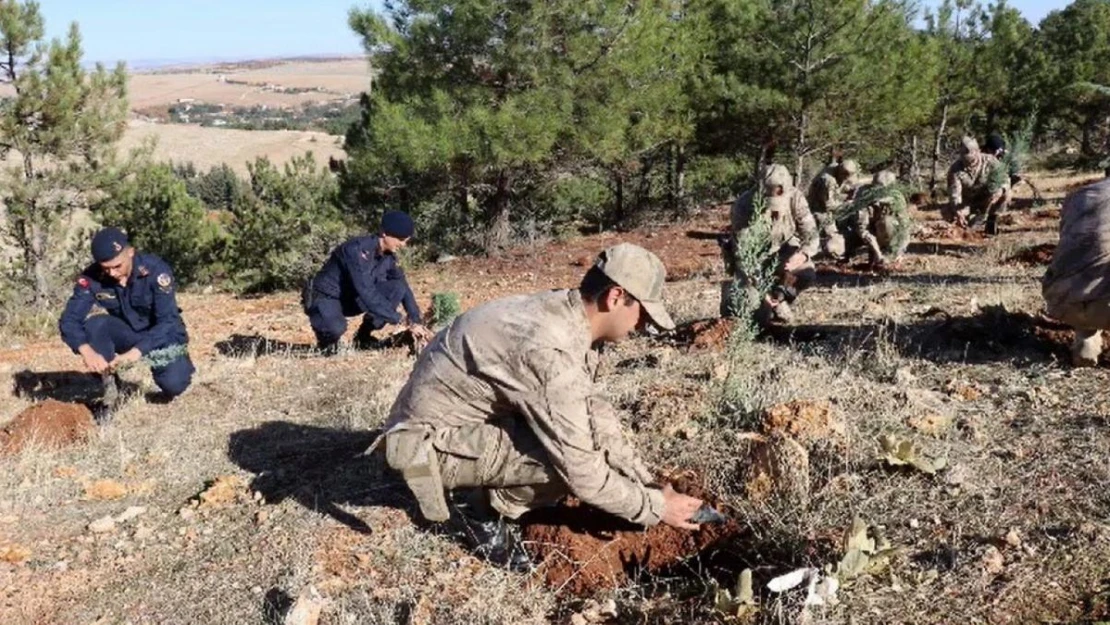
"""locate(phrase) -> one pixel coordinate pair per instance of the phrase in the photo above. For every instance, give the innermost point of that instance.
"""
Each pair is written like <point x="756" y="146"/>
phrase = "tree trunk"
<point x="618" y="197"/>
<point x="500" y="231"/>
<point x="799" y="167"/>
<point x="37" y="267"/>
<point x="680" y="177"/>
<point x="915" y="166"/>
<point x="936" y="150"/>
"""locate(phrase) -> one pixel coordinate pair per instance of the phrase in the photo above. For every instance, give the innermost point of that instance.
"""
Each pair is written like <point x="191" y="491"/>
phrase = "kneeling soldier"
<point x="362" y="277"/>
<point x="501" y="409"/>
<point x="137" y="293"/>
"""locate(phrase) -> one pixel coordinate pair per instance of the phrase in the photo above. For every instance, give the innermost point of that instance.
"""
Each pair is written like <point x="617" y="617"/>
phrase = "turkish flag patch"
<point x="83" y="282"/>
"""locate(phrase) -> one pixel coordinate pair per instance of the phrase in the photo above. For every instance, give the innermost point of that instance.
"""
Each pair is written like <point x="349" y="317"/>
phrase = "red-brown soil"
<point x="52" y="424"/>
<point x="1035" y="255"/>
<point x="704" y="333"/>
<point x="582" y="550"/>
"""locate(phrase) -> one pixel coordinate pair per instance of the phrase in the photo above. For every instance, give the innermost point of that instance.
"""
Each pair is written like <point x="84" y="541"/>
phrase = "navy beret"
<point x="397" y="224"/>
<point x="108" y="243"/>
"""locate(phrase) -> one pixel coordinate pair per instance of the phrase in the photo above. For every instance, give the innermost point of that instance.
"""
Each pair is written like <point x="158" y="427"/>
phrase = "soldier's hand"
<point x="130" y="356"/>
<point x="93" y="361"/>
<point x="795" y="261"/>
<point x="678" y="508"/>
<point x="421" y="332"/>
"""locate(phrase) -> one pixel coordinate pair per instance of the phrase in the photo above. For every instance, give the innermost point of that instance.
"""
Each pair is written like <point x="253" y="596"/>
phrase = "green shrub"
<point x="711" y="179"/>
<point x="159" y="216"/>
<point x="284" y="226"/>
<point x="445" y="307"/>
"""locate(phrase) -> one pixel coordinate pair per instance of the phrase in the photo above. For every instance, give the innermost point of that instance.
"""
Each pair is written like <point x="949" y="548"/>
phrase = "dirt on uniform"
<point x="1035" y="255"/>
<point x="52" y="424"/>
<point x="582" y="550"/>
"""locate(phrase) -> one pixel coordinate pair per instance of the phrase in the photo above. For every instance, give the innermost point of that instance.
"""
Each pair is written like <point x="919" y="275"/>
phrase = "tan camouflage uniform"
<point x="883" y="226"/>
<point x="969" y="185"/>
<point x="1076" y="286"/>
<point x="793" y="229"/>
<point x="505" y="399"/>
<point x="827" y="193"/>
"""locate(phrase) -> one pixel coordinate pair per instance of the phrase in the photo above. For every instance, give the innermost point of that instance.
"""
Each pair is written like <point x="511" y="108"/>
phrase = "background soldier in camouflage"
<point x="977" y="183"/>
<point x="1075" y="287"/>
<point x="883" y="222"/>
<point x="794" y="241"/>
<point x="827" y="193"/>
<point x="501" y="409"/>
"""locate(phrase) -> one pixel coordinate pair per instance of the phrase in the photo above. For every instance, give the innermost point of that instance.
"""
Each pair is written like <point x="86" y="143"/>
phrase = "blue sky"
<point x="174" y="30"/>
<point x="134" y="30"/>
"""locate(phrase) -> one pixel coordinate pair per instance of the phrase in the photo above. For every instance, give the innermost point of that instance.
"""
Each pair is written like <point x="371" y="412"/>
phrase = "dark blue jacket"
<point x="351" y="272"/>
<point x="147" y="304"/>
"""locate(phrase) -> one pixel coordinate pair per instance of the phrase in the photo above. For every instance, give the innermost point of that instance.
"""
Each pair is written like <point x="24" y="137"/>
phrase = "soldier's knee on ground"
<point x="328" y="326"/>
<point x="175" y="378"/>
<point x="1086" y="348"/>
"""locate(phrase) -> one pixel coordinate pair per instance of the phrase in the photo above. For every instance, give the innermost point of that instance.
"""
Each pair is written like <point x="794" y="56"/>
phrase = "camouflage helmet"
<point x="968" y="145"/>
<point x="849" y="166"/>
<point x="777" y="176"/>
<point x="885" y="178"/>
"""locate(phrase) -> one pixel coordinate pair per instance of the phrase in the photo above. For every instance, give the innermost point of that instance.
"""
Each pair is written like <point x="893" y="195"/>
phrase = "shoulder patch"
<point x="143" y="271"/>
<point x="83" y="282"/>
<point x="164" y="280"/>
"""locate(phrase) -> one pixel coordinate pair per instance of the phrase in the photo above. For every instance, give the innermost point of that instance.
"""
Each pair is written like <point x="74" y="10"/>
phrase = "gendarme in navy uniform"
<point x="362" y="277"/>
<point x="136" y="291"/>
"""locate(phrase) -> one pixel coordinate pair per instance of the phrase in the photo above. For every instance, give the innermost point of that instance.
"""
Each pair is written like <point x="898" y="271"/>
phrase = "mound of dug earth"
<point x="1035" y="255"/>
<point x="999" y="330"/>
<point x="583" y="550"/>
<point x="704" y="333"/>
<point x="52" y="424"/>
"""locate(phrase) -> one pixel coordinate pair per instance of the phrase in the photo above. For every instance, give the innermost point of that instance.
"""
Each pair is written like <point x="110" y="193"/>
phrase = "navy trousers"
<point x="328" y="315"/>
<point x="110" y="335"/>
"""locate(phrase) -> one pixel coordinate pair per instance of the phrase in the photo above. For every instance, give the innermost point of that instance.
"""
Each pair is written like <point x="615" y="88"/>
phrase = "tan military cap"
<point x="777" y="176"/>
<point x="885" y="178"/>
<point x="850" y="166"/>
<point x="642" y="274"/>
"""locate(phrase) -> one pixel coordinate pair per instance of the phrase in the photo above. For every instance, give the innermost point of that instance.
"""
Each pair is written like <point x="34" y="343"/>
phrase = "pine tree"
<point x="60" y="128"/>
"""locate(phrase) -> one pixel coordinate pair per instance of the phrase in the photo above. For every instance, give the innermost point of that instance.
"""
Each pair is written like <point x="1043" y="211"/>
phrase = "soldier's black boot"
<point x="488" y="534"/>
<point x="991" y="227"/>
<point x="328" y="349"/>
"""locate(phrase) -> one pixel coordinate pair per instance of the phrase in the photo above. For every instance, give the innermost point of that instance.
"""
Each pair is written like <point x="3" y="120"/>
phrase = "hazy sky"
<point x="137" y="31"/>
<point x="134" y="30"/>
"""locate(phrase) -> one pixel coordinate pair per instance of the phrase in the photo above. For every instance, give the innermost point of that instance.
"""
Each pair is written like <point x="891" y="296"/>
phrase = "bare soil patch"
<point x="583" y="550"/>
<point x="51" y="424"/>
<point x="999" y="329"/>
<point x="1034" y="255"/>
<point x="711" y="334"/>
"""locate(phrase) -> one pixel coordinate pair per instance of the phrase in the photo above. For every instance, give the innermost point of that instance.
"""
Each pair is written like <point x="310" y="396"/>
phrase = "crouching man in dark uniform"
<point x="361" y="277"/>
<point x="137" y="293"/>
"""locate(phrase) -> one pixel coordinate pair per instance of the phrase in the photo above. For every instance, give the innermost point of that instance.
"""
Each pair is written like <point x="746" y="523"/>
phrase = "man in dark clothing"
<point x="362" y="277"/>
<point x="137" y="293"/>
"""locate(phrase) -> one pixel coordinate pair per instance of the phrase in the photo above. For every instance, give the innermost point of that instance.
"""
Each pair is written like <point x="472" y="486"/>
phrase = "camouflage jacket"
<point x="1080" y="268"/>
<point x="967" y="184"/>
<point x="792" y="224"/>
<point x="826" y="194"/>
<point x="530" y="357"/>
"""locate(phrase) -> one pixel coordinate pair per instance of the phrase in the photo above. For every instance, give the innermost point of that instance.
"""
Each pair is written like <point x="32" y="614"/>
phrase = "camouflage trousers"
<point x="504" y="458"/>
<point x="832" y="240"/>
<point x="881" y="237"/>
